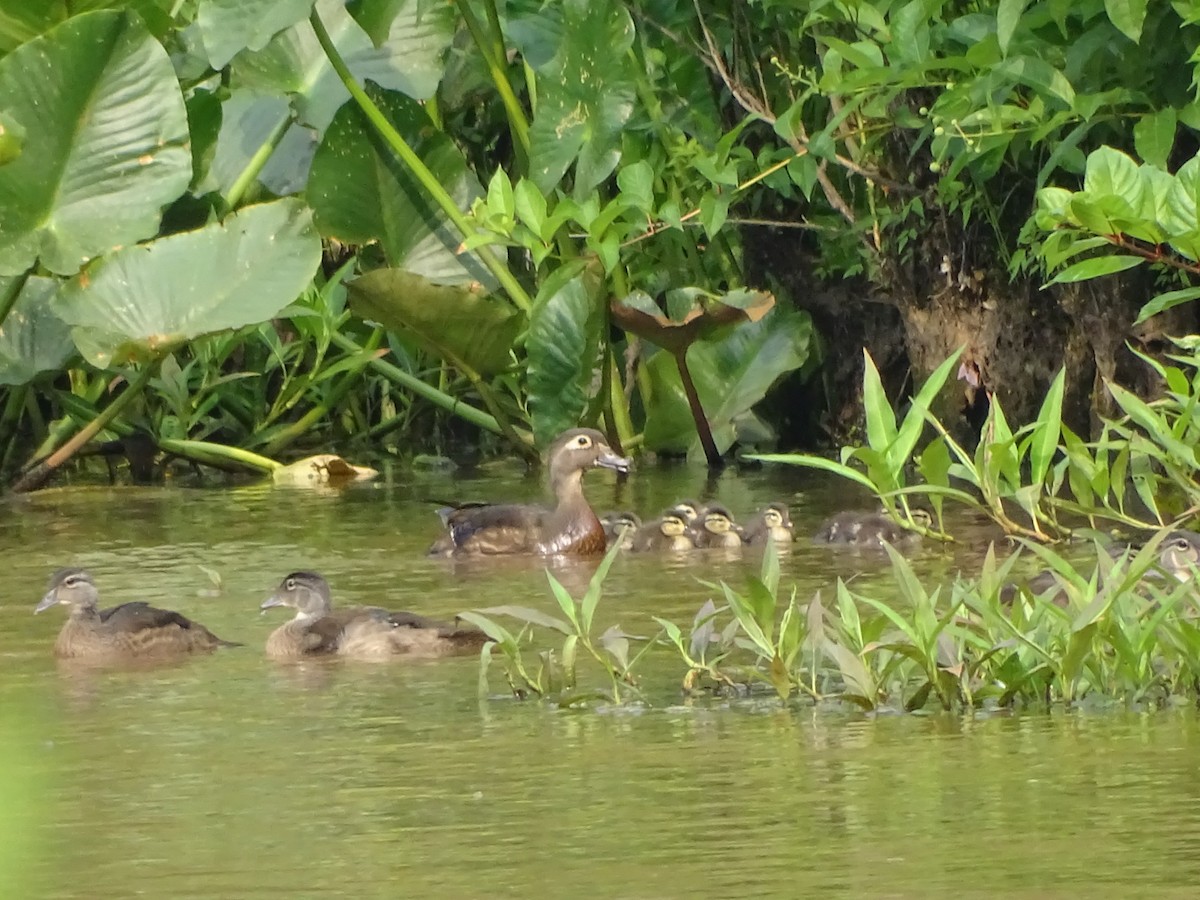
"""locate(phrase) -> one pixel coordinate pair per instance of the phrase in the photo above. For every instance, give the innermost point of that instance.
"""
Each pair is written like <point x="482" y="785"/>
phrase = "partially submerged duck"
<point x="571" y="527"/>
<point x="1178" y="559"/>
<point x="361" y="632"/>
<point x="716" y="528"/>
<point x="670" y="532"/>
<point x="773" y="522"/>
<point x="869" y="529"/>
<point x="133" y="630"/>
<point x="622" y="527"/>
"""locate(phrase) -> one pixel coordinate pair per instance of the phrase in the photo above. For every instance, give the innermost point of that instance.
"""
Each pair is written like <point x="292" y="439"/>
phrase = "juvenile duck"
<point x="716" y="528"/>
<point x="570" y="528"/>
<point x="773" y="522"/>
<point x="129" y="631"/>
<point x="621" y="526"/>
<point x="362" y="632"/>
<point x="690" y="509"/>
<point x="668" y="532"/>
<point x="868" y="529"/>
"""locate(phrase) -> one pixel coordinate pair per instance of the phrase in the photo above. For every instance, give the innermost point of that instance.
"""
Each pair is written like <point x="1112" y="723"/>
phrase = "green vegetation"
<point x="541" y="213"/>
<point x="1118" y="632"/>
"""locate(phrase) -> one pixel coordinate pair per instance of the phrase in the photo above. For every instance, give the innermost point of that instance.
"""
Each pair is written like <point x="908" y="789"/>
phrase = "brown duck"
<point x="129" y="631"/>
<point x="773" y="522"/>
<point x="361" y="632"/>
<point x="621" y="527"/>
<point x="716" y="528"/>
<point x="571" y="527"/>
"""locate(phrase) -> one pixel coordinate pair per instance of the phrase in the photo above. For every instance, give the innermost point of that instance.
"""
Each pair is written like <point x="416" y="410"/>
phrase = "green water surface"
<point x="229" y="776"/>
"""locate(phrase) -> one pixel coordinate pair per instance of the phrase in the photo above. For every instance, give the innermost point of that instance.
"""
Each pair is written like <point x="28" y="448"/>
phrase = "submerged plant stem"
<point x="40" y="473"/>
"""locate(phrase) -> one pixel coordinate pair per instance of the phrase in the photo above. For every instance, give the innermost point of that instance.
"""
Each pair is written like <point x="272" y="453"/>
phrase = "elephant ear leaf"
<point x="142" y="301"/>
<point x="691" y="315"/>
<point x="105" y="145"/>
<point x="32" y="339"/>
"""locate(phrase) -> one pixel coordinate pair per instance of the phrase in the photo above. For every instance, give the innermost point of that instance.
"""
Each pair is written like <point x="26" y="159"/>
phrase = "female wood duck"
<point x="570" y="528"/>
<point x="716" y="528"/>
<point x="869" y="529"/>
<point x="773" y="522"/>
<point x="363" y="632"/>
<point x="129" y="631"/>
<point x="669" y="532"/>
<point x="621" y="527"/>
<point x="1178" y="558"/>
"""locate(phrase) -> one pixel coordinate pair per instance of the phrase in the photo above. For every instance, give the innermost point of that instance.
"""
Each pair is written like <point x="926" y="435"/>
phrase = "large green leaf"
<point x="105" y="142"/>
<point x="143" y="300"/>
<point x="361" y="194"/>
<point x="468" y="330"/>
<point x="33" y="339"/>
<point x="229" y="26"/>
<point x="731" y="376"/>
<point x="586" y="95"/>
<point x="563" y="348"/>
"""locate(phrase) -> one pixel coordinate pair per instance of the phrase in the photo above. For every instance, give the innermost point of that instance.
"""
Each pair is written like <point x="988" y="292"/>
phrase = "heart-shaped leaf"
<point x="468" y="330"/>
<point x="361" y="194"/>
<point x="144" y="300"/>
<point x="105" y="142"/>
<point x="229" y="26"/>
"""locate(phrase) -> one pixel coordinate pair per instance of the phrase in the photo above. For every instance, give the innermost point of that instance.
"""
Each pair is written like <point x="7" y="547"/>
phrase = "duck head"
<point x="71" y="587"/>
<point x="674" y="522"/>
<point x="690" y="510"/>
<point x="575" y="451"/>
<point x="776" y="515"/>
<point x="1180" y="554"/>
<point x="305" y="592"/>
<point x="717" y="519"/>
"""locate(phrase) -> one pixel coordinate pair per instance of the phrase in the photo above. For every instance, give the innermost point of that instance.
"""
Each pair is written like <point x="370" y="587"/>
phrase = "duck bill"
<point x="272" y="601"/>
<point x="45" y="603"/>
<point x="610" y="460"/>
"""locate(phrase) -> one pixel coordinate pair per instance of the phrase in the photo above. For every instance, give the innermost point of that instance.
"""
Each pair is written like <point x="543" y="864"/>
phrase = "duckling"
<point x="717" y="528"/>
<point x="359" y="632"/>
<point x="621" y="526"/>
<point x="773" y="522"/>
<point x="570" y="528"/>
<point x="129" y="631"/>
<point x="690" y="509"/>
<point x="669" y="532"/>
<point x="869" y="529"/>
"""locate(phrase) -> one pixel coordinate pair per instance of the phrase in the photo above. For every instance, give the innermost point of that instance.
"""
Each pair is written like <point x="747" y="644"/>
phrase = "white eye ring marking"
<point x="291" y="584"/>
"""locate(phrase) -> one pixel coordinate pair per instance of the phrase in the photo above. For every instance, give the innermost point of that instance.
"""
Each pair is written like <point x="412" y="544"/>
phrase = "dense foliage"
<point x="532" y="214"/>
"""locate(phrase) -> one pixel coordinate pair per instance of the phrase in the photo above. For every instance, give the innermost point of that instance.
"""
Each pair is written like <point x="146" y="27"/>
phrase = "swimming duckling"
<point x="669" y="532"/>
<point x="363" y="632"/>
<point x="621" y="526"/>
<point x="773" y="522"/>
<point x="869" y="529"/>
<point x="571" y="527"/>
<point x="716" y="528"/>
<point x="129" y="631"/>
<point x="690" y="509"/>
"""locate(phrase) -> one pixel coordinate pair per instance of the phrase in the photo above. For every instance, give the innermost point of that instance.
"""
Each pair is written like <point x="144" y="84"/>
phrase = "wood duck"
<point x="716" y="528"/>
<point x="362" y="632"/>
<point x="129" y="631"/>
<point x="570" y="528"/>
<point x="1178" y="558"/>
<point x="621" y="526"/>
<point x="690" y="509"/>
<point x="669" y="532"/>
<point x="869" y="529"/>
<point x="773" y="522"/>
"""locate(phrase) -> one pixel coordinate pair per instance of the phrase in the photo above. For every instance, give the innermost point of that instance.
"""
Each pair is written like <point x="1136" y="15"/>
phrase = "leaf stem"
<point x="409" y="157"/>
<point x="693" y="398"/>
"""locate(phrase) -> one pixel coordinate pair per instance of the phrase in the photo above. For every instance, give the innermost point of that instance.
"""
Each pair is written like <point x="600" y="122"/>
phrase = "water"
<point x="232" y="777"/>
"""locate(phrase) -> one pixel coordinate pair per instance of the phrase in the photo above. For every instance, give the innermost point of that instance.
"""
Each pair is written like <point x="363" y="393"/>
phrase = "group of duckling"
<point x="687" y="526"/>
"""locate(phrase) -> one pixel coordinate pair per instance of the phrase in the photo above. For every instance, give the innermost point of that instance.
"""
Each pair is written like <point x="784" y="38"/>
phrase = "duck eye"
<point x="291" y="584"/>
<point x="583" y="441"/>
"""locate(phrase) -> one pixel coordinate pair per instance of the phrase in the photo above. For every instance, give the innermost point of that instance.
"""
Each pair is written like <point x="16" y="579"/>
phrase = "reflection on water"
<point x="226" y="776"/>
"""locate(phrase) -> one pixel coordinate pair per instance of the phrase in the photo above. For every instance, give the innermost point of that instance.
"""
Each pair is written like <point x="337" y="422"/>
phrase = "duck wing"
<point x="494" y="528"/>
<point x="140" y="618"/>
